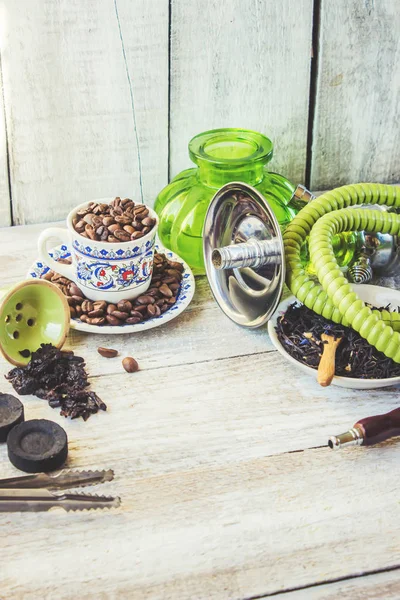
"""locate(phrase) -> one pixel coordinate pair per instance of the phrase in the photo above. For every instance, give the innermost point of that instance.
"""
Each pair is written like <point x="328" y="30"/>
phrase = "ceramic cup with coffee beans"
<point x="111" y="242"/>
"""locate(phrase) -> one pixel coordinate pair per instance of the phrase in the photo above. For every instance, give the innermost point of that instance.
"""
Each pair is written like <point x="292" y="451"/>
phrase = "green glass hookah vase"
<point x="221" y="156"/>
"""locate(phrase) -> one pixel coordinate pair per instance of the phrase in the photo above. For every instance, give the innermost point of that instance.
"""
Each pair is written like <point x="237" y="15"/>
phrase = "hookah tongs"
<point x="31" y="493"/>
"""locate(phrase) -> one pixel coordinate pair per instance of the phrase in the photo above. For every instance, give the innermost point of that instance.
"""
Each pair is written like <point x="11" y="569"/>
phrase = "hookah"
<point x="248" y="260"/>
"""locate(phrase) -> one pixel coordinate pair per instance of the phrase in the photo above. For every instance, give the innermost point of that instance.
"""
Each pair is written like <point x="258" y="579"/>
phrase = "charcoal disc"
<point x="11" y="413"/>
<point x="37" y="446"/>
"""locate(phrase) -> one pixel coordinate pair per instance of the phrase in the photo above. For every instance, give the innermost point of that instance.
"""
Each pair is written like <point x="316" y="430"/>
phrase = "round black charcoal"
<point x="11" y="413"/>
<point x="37" y="446"/>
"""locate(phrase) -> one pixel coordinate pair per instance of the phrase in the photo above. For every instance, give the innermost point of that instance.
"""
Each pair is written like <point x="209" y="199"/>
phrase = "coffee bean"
<point x="70" y="301"/>
<point x="136" y="314"/>
<point x="171" y="300"/>
<point x="125" y="201"/>
<point x="111" y="308"/>
<point x="164" y="289"/>
<point x="90" y="232"/>
<point x="121" y="235"/>
<point x="96" y="313"/>
<point x="153" y="310"/>
<point x="96" y="321"/>
<point x="107" y="352"/>
<point x="130" y="364"/>
<point x="74" y="290"/>
<point x="123" y="219"/>
<point x="100" y="305"/>
<point x="120" y="315"/>
<point x="144" y="300"/>
<point x="77" y="299"/>
<point x="134" y="320"/>
<point x="142" y="309"/>
<point x="114" y="227"/>
<point x="82" y="212"/>
<point x="107" y="221"/>
<point x="129" y="229"/>
<point x="87" y="306"/>
<point x="124" y="305"/>
<point x="112" y="239"/>
<point x="84" y="318"/>
<point x="174" y="273"/>
<point x="137" y="225"/>
<point x="145" y="230"/>
<point x="97" y="221"/>
<point x="137" y="235"/>
<point x="88" y="218"/>
<point x="140" y="209"/>
<point x="113" y="320"/>
<point x="78" y="310"/>
<point x="148" y="222"/>
<point x="174" y="287"/>
<point x="85" y="235"/>
<point x="80" y="226"/>
<point x="72" y="312"/>
<point x="100" y="230"/>
<point x="48" y="275"/>
<point x="153" y="292"/>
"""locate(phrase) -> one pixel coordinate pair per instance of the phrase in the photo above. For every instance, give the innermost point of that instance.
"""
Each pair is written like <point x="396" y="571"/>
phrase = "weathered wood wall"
<point x="101" y="97"/>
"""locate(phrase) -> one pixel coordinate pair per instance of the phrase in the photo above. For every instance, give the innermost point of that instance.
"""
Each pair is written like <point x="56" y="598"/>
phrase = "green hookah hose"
<point x="334" y="299"/>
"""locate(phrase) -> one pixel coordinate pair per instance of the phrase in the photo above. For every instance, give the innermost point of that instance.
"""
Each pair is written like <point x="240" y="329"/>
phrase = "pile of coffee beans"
<point x="119" y="221"/>
<point x="161" y="295"/>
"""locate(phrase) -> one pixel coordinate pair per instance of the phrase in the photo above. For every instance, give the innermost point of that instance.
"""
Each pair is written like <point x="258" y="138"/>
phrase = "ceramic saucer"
<point x="39" y="269"/>
<point x="374" y="295"/>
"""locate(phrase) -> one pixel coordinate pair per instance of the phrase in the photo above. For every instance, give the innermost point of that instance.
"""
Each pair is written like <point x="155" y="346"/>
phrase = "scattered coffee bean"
<point x="119" y="221"/>
<point x="107" y="352"/>
<point x="130" y="364"/>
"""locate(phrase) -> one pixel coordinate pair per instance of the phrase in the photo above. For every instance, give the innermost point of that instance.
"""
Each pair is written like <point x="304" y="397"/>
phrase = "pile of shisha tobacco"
<point x="59" y="377"/>
<point x="299" y="331"/>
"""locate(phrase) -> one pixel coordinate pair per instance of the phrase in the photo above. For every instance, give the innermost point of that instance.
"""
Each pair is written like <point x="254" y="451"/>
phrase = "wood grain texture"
<point x="86" y="95"/>
<point x="370" y="587"/>
<point x="223" y="494"/>
<point x="358" y="97"/>
<point x="5" y="213"/>
<point x="241" y="63"/>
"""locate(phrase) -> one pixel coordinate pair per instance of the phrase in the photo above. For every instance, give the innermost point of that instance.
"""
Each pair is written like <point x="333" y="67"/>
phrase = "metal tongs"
<point x="31" y="493"/>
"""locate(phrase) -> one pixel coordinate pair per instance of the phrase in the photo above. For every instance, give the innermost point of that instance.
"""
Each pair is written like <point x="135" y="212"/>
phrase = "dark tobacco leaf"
<point x="59" y="377"/>
<point x="299" y="331"/>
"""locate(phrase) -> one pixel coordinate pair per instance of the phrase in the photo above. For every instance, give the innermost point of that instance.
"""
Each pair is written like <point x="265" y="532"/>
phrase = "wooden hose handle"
<point x="326" y="367"/>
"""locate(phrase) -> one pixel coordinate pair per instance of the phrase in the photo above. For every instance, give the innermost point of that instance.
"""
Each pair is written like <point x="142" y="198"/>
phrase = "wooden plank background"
<point x="101" y="97"/>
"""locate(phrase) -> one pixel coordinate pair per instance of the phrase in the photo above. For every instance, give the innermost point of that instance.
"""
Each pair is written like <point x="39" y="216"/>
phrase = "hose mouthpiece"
<point x="353" y="437"/>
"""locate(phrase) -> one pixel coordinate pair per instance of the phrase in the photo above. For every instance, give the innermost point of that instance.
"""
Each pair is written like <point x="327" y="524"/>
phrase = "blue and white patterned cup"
<point x="103" y="270"/>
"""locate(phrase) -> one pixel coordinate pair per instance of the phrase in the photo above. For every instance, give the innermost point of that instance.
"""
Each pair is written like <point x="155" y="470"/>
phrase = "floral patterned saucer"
<point x="39" y="269"/>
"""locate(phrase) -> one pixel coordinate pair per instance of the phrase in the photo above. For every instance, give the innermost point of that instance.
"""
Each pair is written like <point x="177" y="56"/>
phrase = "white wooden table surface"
<point x="227" y="491"/>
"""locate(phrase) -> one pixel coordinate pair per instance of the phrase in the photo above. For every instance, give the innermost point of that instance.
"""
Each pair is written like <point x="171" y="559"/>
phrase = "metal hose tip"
<point x="353" y="437"/>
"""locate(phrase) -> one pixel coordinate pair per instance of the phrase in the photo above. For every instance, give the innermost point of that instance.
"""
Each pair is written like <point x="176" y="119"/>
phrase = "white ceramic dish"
<point x="39" y="269"/>
<point x="373" y="294"/>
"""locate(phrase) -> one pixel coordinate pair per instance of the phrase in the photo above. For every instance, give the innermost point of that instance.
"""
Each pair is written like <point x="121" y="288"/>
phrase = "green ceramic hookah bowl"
<point x="32" y="313"/>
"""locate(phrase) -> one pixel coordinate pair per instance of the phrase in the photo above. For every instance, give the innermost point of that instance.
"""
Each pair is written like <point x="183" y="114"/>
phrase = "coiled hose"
<point x="334" y="299"/>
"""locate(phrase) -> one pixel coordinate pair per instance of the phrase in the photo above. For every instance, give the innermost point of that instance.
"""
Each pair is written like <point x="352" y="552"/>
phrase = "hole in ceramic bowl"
<point x="31" y="322"/>
<point x="25" y="353"/>
<point x="18" y="317"/>
<point x="18" y="306"/>
<point x="7" y="319"/>
<point x="16" y="335"/>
